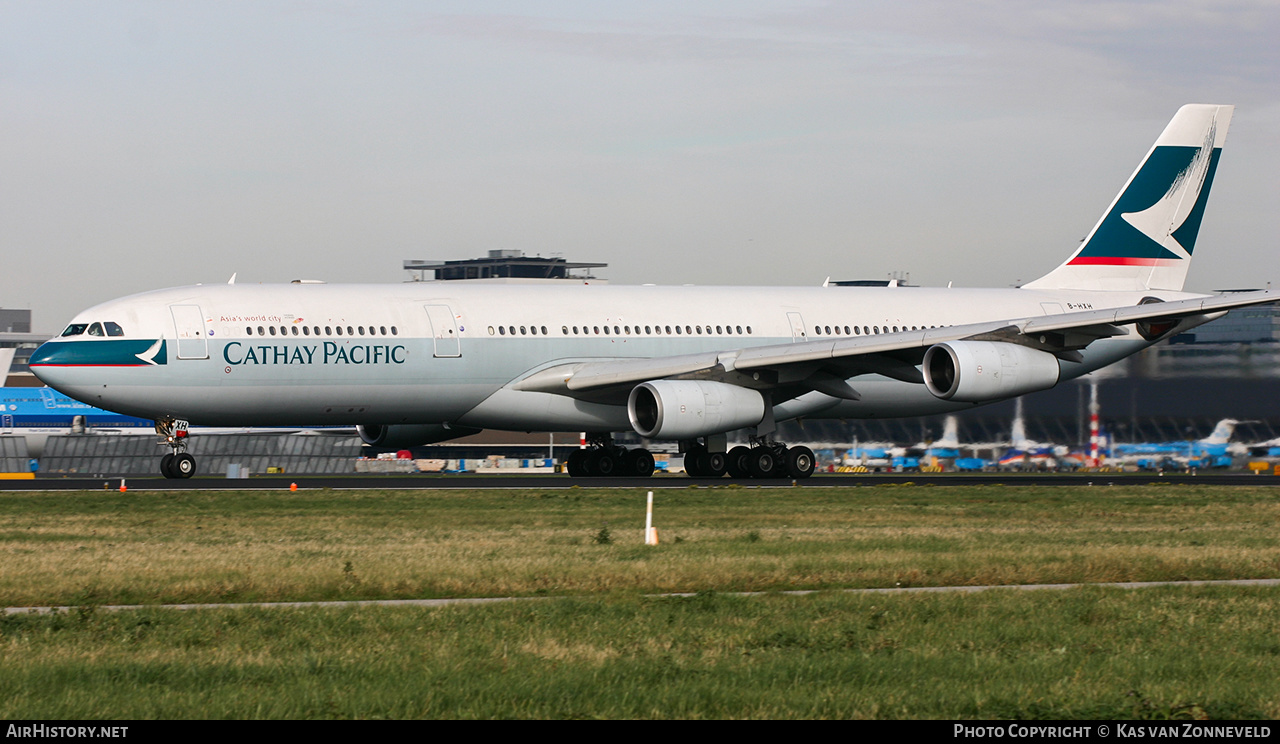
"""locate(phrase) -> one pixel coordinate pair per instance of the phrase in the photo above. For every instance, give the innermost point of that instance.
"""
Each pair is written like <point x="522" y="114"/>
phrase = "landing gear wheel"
<point x="693" y="461"/>
<point x="737" y="462"/>
<point x="166" y="466"/>
<point x="761" y="463"/>
<point x="184" y="466"/>
<point x="577" y="464"/>
<point x="640" y="463"/>
<point x="800" y="462"/>
<point x="713" y="464"/>
<point x="602" y="464"/>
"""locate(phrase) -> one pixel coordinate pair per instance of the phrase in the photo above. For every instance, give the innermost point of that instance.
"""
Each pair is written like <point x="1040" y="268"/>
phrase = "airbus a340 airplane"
<point x="418" y="363"/>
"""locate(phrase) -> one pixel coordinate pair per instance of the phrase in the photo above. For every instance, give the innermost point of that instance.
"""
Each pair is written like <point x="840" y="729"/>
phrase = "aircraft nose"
<point x="45" y="354"/>
<point x="51" y="363"/>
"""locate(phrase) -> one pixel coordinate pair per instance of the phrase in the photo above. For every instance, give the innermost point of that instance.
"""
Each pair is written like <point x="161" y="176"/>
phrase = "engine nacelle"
<point x="684" y="409"/>
<point x="983" y="371"/>
<point x="399" y="436"/>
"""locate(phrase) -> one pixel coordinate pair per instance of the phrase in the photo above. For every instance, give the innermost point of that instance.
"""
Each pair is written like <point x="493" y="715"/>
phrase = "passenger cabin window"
<point x="75" y="329"/>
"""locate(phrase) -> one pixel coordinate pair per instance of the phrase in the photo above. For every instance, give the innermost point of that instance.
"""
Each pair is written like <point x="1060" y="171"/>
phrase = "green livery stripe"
<point x="101" y="353"/>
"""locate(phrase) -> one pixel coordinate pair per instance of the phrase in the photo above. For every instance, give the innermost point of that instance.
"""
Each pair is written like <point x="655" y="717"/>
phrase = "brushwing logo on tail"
<point x="1156" y="220"/>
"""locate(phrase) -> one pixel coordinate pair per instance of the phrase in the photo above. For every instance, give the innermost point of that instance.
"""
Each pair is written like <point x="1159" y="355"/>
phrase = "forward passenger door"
<point x="444" y="331"/>
<point x="188" y="323"/>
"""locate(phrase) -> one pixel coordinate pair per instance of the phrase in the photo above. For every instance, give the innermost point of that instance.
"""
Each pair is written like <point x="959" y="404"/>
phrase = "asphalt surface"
<point x="550" y="481"/>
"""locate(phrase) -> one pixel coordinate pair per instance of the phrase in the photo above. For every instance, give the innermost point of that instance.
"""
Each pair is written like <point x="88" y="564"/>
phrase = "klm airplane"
<point x="418" y="363"/>
<point x="38" y="413"/>
<point x="1214" y="450"/>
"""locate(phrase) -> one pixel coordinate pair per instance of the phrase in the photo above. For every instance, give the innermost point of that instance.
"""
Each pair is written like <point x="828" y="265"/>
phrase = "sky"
<point x="155" y="144"/>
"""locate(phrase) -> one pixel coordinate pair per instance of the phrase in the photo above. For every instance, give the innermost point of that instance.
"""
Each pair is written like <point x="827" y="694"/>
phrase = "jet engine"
<point x="684" y="409"/>
<point x="983" y="371"/>
<point x="398" y="436"/>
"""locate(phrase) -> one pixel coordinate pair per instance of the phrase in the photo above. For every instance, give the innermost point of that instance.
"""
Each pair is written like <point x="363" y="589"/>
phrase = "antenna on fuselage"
<point x="232" y="280"/>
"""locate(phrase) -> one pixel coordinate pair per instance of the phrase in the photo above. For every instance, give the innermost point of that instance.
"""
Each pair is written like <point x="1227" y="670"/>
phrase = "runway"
<point x="554" y="481"/>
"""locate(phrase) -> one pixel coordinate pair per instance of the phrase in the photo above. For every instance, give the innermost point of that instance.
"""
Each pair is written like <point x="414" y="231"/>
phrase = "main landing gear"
<point x="603" y="458"/>
<point x="177" y="464"/>
<point x="763" y="459"/>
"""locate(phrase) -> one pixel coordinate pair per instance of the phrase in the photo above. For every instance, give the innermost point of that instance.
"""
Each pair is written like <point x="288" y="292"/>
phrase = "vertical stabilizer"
<point x="1018" y="434"/>
<point x="1145" y="238"/>
<point x="950" y="434"/>
<point x="1221" y="433"/>
<point x="6" y="363"/>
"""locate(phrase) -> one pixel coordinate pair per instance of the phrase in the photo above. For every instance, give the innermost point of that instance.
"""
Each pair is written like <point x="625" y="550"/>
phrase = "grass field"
<point x="596" y="646"/>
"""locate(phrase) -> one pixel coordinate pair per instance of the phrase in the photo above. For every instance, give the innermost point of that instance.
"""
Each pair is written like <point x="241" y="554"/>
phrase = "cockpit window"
<point x="75" y="329"/>
<point x="96" y="330"/>
<point x="113" y="329"/>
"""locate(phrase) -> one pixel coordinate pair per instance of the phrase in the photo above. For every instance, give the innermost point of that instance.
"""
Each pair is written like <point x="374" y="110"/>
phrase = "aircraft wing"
<point x="824" y="365"/>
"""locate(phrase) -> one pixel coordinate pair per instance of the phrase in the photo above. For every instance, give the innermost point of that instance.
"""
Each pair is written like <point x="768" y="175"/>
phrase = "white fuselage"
<point x="448" y="352"/>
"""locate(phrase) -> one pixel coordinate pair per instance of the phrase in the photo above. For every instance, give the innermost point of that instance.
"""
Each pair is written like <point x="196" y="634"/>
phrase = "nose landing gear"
<point x="173" y="434"/>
